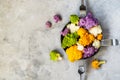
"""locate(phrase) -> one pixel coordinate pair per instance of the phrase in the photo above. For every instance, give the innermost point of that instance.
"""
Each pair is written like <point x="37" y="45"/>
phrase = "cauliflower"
<point x="99" y="36"/>
<point x="96" y="43"/>
<point x="74" y="19"/>
<point x="97" y="63"/>
<point x="73" y="28"/>
<point x="96" y="30"/>
<point x="69" y="40"/>
<point x="55" y="56"/>
<point x="80" y="47"/>
<point x="87" y="39"/>
<point x="81" y="32"/>
<point x="73" y="54"/>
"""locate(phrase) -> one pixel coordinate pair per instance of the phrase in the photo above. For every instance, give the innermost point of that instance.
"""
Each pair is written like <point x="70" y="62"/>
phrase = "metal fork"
<point x="109" y="42"/>
<point x="81" y="70"/>
<point x="82" y="9"/>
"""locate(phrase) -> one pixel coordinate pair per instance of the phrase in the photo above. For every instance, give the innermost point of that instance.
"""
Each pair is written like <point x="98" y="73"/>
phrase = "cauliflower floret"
<point x="81" y="32"/>
<point x="87" y="39"/>
<point x="73" y="28"/>
<point x="73" y="54"/>
<point x="96" y="43"/>
<point x="55" y="56"/>
<point x="96" y="30"/>
<point x="97" y="63"/>
<point x="80" y="47"/>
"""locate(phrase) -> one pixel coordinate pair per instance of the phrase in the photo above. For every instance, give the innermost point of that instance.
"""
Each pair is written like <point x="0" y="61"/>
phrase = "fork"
<point x="82" y="9"/>
<point x="81" y="70"/>
<point x="109" y="42"/>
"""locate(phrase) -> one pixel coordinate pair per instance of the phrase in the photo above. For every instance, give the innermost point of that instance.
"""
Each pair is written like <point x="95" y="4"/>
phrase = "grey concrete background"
<point x="25" y="43"/>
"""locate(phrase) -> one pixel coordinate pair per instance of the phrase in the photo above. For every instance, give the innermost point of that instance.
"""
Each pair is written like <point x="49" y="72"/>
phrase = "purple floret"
<point x="96" y="49"/>
<point x="57" y="18"/>
<point x="48" y="24"/>
<point x="96" y="21"/>
<point x="89" y="15"/>
<point x="66" y="31"/>
<point x="82" y="22"/>
<point x="89" y="51"/>
<point x="88" y="22"/>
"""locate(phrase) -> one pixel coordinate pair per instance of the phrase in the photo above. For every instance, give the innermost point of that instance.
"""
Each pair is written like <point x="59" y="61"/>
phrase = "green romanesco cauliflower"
<point x="74" y="19"/>
<point x="55" y="56"/>
<point x="69" y="40"/>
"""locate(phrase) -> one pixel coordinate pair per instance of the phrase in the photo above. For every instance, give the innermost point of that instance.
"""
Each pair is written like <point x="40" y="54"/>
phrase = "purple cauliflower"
<point x="89" y="51"/>
<point x="48" y="24"/>
<point x="82" y="22"/>
<point x="57" y="18"/>
<point x="66" y="31"/>
<point x="88" y="21"/>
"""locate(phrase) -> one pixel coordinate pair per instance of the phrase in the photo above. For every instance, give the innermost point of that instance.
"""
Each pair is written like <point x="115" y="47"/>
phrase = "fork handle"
<point x="82" y="2"/>
<point x="82" y="77"/>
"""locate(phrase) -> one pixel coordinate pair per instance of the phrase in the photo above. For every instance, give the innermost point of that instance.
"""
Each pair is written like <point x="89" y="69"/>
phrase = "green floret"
<point x="69" y="40"/>
<point x="74" y="19"/>
<point x="55" y="56"/>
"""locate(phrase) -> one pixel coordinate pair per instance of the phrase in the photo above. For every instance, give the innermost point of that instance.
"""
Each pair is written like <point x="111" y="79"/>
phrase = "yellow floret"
<point x="86" y="39"/>
<point x="96" y="63"/>
<point x="91" y="38"/>
<point x="99" y="36"/>
<point x="81" y="32"/>
<point x="73" y="54"/>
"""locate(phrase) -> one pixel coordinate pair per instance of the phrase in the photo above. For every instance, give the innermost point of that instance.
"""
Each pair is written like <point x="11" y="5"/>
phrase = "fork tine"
<point x="109" y="42"/>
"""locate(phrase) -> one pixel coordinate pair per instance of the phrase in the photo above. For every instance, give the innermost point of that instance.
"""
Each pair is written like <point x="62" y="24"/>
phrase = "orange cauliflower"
<point x="81" y="32"/>
<point x="73" y="53"/>
<point x="96" y="64"/>
<point x="99" y="36"/>
<point x="86" y="39"/>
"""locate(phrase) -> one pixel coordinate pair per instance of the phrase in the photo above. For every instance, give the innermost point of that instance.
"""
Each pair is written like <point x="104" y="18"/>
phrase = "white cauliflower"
<point x="73" y="28"/>
<point x="80" y="47"/>
<point x="96" y="30"/>
<point x="96" y="43"/>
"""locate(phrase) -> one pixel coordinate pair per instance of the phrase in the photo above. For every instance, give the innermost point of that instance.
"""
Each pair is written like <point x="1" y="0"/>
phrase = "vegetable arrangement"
<point x="81" y="37"/>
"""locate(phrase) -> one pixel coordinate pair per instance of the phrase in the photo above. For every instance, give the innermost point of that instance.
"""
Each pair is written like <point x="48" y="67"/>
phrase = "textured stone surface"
<point x="25" y="43"/>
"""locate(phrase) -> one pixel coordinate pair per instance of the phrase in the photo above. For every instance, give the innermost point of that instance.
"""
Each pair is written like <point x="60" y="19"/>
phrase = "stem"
<point x="102" y="62"/>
